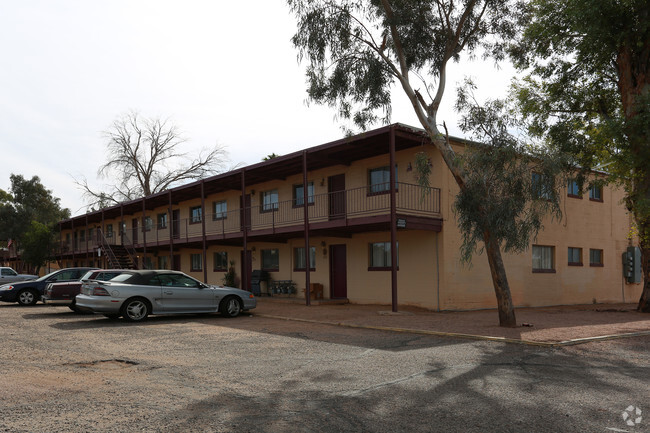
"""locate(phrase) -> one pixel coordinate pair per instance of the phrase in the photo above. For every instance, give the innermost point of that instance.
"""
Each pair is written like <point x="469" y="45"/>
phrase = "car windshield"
<point x="45" y="277"/>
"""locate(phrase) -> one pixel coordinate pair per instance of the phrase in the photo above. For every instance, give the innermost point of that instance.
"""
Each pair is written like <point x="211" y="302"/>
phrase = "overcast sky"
<point x="223" y="72"/>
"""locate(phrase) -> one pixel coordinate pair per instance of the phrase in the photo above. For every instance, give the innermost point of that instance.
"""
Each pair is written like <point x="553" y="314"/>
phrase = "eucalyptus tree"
<point x="359" y="50"/>
<point x="587" y="92"/>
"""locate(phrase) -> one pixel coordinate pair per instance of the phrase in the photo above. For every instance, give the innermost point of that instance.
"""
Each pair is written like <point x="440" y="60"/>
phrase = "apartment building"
<point x="327" y="219"/>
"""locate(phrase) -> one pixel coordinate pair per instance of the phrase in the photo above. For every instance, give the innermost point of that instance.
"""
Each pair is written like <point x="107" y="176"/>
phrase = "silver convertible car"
<point x="136" y="294"/>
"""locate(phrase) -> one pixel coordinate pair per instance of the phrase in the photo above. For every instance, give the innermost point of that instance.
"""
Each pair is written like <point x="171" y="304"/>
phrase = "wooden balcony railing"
<point x="341" y="205"/>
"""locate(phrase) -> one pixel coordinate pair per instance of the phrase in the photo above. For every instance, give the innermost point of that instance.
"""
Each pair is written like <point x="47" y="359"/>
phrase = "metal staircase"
<point x="119" y="256"/>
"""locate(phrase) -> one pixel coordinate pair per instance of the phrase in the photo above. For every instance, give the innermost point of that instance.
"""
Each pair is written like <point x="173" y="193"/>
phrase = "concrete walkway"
<point x="548" y="326"/>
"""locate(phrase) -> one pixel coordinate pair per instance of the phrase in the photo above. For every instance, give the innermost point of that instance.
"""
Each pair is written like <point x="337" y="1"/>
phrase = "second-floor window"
<point x="109" y="231"/>
<point x="596" y="193"/>
<point x="195" y="214"/>
<point x="299" y="194"/>
<point x="379" y="179"/>
<point x="161" y="220"/>
<point x="573" y="190"/>
<point x="595" y="257"/>
<point x="148" y="223"/>
<point x="91" y="232"/>
<point x="269" y="200"/>
<point x="220" y="209"/>
<point x="82" y="236"/>
<point x="541" y="186"/>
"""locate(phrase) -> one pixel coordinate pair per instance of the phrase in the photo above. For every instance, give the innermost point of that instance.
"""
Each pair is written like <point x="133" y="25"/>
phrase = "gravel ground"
<point x="63" y="372"/>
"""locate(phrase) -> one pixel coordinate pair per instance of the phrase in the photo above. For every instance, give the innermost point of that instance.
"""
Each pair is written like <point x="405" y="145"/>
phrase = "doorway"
<point x="336" y="190"/>
<point x="338" y="272"/>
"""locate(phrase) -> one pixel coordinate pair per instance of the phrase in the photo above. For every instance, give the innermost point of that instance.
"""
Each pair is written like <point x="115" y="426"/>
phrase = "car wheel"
<point x="27" y="297"/>
<point x="135" y="310"/>
<point x="230" y="307"/>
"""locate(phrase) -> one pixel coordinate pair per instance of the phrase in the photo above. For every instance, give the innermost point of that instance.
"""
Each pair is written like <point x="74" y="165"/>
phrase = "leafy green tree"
<point x="357" y="50"/>
<point x="27" y="212"/>
<point x="588" y="92"/>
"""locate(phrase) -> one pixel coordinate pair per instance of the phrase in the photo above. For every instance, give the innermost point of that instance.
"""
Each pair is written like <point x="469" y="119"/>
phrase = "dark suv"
<point x="29" y="292"/>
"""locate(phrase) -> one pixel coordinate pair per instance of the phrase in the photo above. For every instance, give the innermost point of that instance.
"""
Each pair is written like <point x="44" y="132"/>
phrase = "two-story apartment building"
<point x="327" y="216"/>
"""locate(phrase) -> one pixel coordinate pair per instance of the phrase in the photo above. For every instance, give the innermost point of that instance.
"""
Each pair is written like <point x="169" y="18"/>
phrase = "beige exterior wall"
<point x="430" y="272"/>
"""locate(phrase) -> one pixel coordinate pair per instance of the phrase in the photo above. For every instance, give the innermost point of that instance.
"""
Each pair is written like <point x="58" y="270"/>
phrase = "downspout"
<point x="393" y="221"/>
<point x="305" y="196"/>
<point x="205" y="261"/>
<point x="244" y="277"/>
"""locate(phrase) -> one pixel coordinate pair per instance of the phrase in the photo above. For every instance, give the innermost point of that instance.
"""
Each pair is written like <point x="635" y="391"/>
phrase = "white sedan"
<point x="136" y="294"/>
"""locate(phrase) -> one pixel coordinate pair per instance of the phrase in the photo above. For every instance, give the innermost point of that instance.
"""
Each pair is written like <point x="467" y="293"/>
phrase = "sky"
<point x="225" y="73"/>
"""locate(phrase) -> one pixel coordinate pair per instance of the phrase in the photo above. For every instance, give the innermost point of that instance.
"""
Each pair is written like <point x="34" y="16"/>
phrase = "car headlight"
<point x="6" y="287"/>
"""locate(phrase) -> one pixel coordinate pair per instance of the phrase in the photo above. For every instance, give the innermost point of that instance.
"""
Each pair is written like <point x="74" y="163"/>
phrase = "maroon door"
<point x="247" y="209"/>
<point x="248" y="269"/>
<point x="134" y="230"/>
<point x="336" y="190"/>
<point x="338" y="272"/>
<point x="176" y="262"/>
<point x="176" y="224"/>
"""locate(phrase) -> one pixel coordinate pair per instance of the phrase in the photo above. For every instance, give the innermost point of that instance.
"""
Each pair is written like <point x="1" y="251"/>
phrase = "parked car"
<point x="136" y="294"/>
<point x="29" y="292"/>
<point x="8" y="275"/>
<point x="64" y="293"/>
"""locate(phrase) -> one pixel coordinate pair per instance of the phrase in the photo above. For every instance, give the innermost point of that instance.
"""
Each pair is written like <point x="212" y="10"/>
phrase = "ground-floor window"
<point x="299" y="259"/>
<point x="543" y="258"/>
<point x="163" y="262"/>
<point x="221" y="261"/>
<point x="379" y="256"/>
<point x="197" y="262"/>
<point x="270" y="260"/>
<point x="595" y="257"/>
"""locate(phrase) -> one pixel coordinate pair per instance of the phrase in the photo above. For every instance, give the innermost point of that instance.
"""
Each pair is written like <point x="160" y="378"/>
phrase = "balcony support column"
<point x="171" y="234"/>
<point x="244" y="265"/>
<point x="74" y="242"/>
<point x="305" y="204"/>
<point x="122" y="226"/>
<point x="144" y="231"/>
<point x="86" y="236"/>
<point x="393" y="222"/>
<point x="203" y="216"/>
<point x="103" y="239"/>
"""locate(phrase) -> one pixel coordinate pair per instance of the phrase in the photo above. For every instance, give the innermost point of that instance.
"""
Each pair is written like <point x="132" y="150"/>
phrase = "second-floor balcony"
<point x="347" y="211"/>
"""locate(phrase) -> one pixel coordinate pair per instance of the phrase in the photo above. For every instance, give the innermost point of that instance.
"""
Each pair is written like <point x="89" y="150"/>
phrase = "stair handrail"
<point x="112" y="259"/>
<point x="130" y="249"/>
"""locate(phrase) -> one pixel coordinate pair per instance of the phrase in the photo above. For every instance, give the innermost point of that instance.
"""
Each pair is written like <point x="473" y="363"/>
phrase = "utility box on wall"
<point x="632" y="265"/>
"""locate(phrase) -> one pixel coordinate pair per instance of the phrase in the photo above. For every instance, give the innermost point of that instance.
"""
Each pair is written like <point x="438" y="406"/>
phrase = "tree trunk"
<point x="500" y="282"/>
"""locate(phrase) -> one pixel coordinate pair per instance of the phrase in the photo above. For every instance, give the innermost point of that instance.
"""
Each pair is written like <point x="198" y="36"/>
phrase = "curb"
<point x="573" y="342"/>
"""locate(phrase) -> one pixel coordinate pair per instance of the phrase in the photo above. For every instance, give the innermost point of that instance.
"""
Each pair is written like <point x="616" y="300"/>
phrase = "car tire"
<point x="27" y="297"/>
<point x="135" y="309"/>
<point x="230" y="307"/>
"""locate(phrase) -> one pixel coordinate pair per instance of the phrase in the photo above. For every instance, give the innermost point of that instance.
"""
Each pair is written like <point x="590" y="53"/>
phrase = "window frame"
<point x="264" y="265"/>
<point x="109" y="231"/>
<point x="216" y="268"/>
<point x="300" y="252"/>
<point x="386" y="264"/>
<point x="273" y="205"/>
<point x="539" y="188"/>
<point x="219" y="215"/>
<point x="161" y="220"/>
<point x="540" y="270"/>
<point x="147" y="223"/>
<point x="592" y="195"/>
<point x="194" y="219"/>
<point x="571" y="187"/>
<point x="385" y="185"/>
<point x="164" y="265"/>
<point x="298" y="198"/>
<point x="572" y="262"/>
<point x="599" y="264"/>
<point x="193" y="267"/>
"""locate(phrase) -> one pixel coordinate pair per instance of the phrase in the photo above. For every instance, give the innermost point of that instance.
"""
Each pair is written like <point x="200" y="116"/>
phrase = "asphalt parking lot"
<point x="63" y="372"/>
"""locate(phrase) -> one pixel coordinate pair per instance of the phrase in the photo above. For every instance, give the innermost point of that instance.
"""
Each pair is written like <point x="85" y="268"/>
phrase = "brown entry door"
<point x="134" y="230"/>
<point x="176" y="223"/>
<point x="338" y="272"/>
<point x="336" y="190"/>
